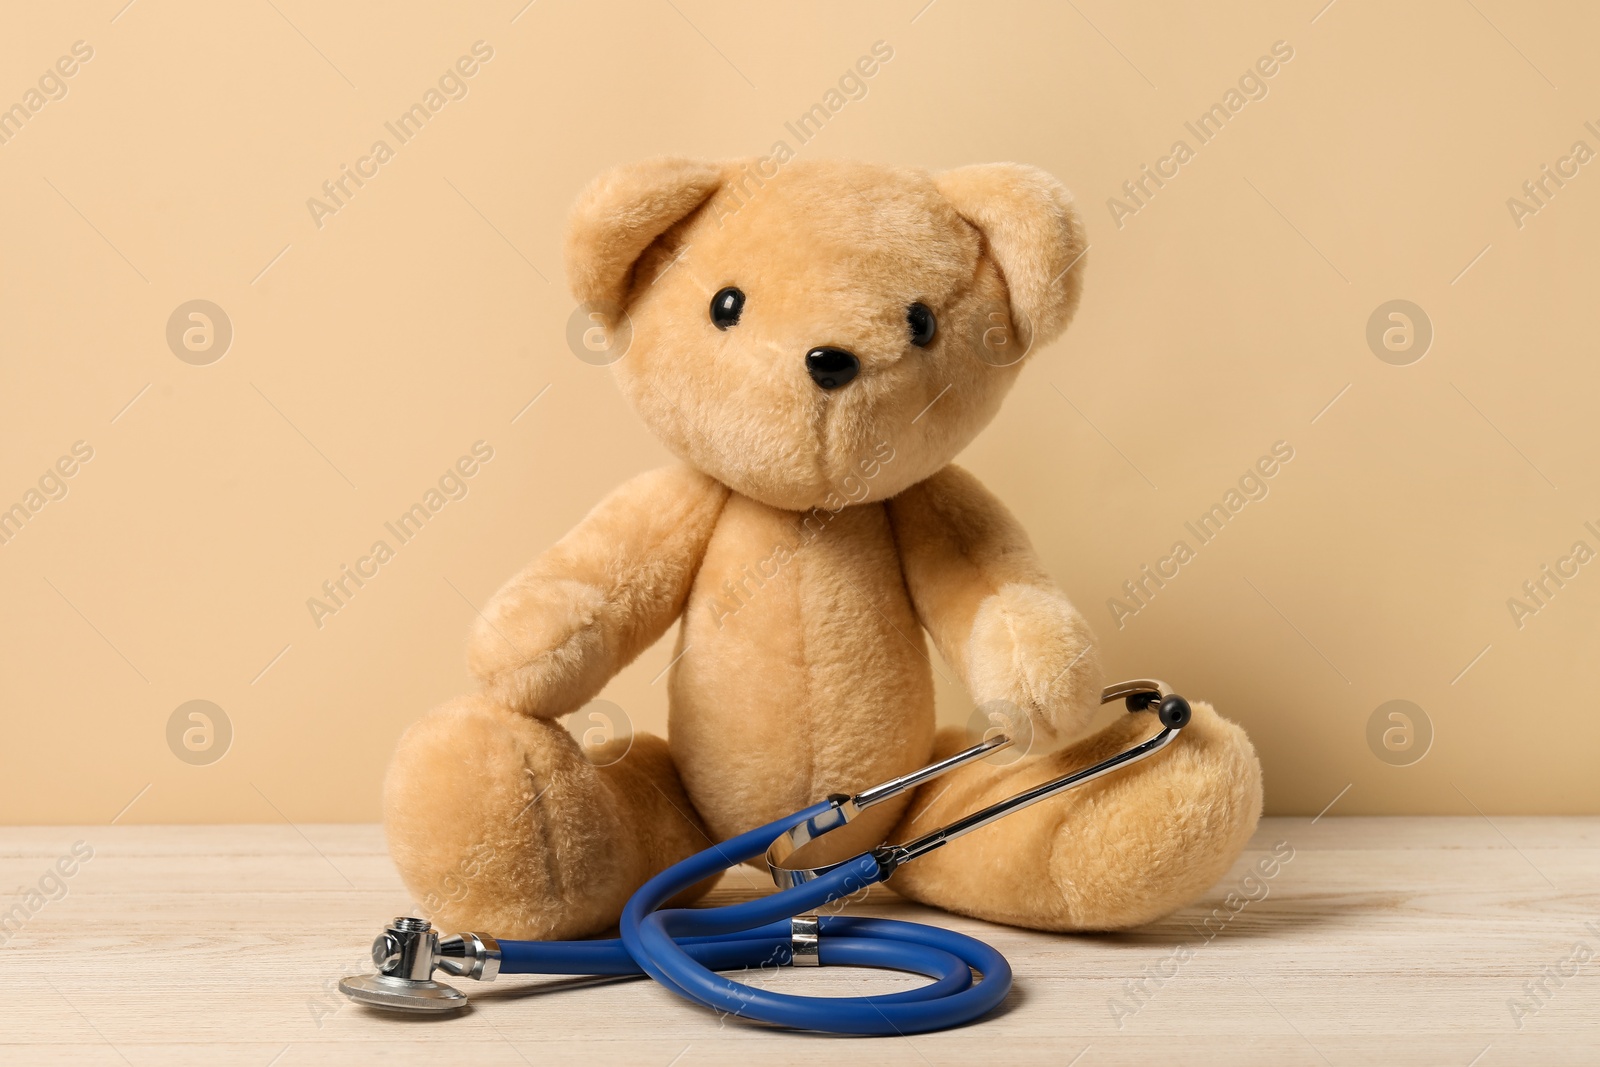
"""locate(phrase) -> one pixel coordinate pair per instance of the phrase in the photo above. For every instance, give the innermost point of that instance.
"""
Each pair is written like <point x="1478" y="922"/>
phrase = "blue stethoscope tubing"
<point x="683" y="948"/>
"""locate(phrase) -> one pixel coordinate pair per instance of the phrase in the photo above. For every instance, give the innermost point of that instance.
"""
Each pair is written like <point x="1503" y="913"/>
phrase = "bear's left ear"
<point x="620" y="214"/>
<point x="1033" y="231"/>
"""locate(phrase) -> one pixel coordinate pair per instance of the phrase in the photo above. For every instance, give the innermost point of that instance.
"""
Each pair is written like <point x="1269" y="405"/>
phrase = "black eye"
<point x="726" y="307"/>
<point x="920" y="319"/>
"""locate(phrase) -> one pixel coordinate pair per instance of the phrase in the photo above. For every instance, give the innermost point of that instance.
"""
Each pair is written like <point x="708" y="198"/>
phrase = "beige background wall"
<point x="1228" y="313"/>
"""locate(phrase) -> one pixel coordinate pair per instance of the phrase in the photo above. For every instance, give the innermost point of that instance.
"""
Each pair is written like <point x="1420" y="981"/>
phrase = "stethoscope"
<point x="684" y="948"/>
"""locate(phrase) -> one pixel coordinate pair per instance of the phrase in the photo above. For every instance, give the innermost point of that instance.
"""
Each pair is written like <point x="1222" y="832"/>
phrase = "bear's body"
<point x="816" y="346"/>
<point x="821" y="644"/>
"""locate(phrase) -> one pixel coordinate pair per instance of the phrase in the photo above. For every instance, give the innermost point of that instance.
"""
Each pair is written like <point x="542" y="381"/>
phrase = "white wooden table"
<point x="1382" y="941"/>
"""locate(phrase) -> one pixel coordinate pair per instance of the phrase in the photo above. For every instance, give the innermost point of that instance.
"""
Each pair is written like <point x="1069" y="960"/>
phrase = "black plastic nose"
<point x="832" y="367"/>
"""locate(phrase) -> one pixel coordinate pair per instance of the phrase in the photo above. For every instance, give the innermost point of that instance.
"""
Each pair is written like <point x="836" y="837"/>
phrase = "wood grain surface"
<point x="1378" y="941"/>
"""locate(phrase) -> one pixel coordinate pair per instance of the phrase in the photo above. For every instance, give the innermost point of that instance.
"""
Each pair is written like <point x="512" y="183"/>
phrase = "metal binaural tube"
<point x="1140" y="694"/>
<point x="898" y="854"/>
<point x="895" y="786"/>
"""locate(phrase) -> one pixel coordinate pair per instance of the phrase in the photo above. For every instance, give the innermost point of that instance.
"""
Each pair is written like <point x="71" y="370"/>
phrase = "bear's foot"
<point x="1122" y="850"/>
<point x="500" y="823"/>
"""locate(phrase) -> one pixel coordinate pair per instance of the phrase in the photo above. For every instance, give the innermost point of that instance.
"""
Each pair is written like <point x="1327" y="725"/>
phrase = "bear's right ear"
<point x="618" y="216"/>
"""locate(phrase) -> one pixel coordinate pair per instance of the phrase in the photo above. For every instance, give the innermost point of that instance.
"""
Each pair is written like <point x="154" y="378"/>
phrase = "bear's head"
<point x="787" y="327"/>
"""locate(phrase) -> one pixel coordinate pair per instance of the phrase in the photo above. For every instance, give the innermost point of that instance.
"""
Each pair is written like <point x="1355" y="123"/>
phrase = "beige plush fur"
<point x="807" y="543"/>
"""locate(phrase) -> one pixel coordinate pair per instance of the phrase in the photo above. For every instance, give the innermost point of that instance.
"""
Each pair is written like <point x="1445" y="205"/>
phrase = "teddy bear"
<point x="814" y="342"/>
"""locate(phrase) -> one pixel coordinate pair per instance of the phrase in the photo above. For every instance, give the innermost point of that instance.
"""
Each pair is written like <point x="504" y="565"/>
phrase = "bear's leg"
<point x="500" y="824"/>
<point x="1122" y="850"/>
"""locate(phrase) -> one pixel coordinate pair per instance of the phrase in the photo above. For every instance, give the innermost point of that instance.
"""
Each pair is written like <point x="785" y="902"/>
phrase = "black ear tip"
<point x="1174" y="712"/>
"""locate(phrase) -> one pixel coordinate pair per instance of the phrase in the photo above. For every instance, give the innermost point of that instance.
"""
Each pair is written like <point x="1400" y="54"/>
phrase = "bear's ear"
<point x="618" y="216"/>
<point x="1034" y="234"/>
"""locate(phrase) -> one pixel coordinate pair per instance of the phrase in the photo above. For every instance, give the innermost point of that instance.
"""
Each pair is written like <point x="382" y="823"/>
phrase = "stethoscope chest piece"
<point x="402" y="994"/>
<point x="406" y="954"/>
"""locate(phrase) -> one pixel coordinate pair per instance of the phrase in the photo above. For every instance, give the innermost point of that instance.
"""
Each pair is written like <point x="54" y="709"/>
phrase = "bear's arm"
<point x="552" y="637"/>
<point x="992" y="610"/>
